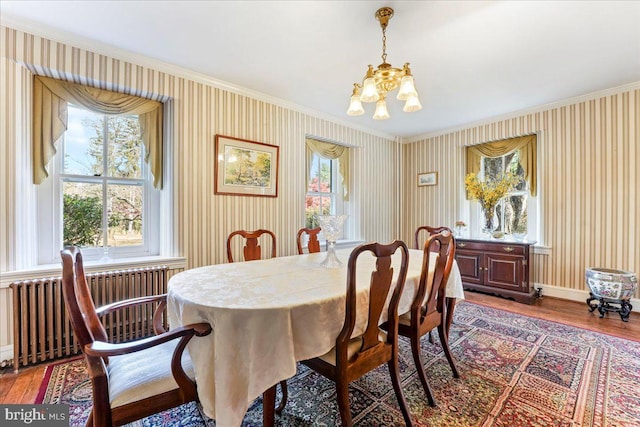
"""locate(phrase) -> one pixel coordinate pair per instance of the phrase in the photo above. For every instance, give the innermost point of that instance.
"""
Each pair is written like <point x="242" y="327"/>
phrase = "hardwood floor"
<point x="23" y="387"/>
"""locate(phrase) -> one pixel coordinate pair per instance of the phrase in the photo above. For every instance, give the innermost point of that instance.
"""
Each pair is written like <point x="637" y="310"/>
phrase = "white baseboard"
<point x="575" y="295"/>
<point x="6" y="352"/>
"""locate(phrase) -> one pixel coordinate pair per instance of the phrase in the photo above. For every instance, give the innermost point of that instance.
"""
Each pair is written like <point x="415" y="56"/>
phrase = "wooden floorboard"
<point x="567" y="312"/>
<point x="23" y="387"/>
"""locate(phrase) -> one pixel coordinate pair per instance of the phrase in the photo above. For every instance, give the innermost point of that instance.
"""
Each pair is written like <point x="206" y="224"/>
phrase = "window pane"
<point x="125" y="147"/>
<point x="82" y="214"/>
<point x="492" y="168"/>
<point x="83" y="143"/>
<point x="516" y="214"/>
<point x="325" y="175"/>
<point x="124" y="215"/>
<point x="316" y="205"/>
<point x="512" y="162"/>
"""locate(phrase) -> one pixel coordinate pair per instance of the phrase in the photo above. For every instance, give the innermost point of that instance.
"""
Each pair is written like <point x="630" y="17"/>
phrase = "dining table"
<point x="267" y="315"/>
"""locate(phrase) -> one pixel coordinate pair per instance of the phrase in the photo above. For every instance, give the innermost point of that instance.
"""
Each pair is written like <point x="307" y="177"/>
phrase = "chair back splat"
<point x="252" y="250"/>
<point x="313" y="245"/>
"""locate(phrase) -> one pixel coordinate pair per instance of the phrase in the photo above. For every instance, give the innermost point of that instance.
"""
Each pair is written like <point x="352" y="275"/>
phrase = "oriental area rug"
<point x="515" y="371"/>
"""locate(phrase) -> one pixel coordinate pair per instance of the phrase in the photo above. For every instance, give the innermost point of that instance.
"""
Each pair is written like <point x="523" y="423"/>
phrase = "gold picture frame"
<point x="246" y="168"/>
<point x="427" y="179"/>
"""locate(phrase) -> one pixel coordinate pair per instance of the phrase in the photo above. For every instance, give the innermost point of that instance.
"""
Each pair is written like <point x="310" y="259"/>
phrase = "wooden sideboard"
<point x="497" y="267"/>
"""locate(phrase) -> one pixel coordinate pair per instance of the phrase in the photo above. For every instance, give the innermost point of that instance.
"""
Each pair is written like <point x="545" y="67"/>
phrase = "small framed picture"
<point x="246" y="168"/>
<point x="427" y="178"/>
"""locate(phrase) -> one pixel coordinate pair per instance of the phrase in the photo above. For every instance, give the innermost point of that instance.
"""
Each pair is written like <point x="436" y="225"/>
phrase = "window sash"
<point x="50" y="221"/>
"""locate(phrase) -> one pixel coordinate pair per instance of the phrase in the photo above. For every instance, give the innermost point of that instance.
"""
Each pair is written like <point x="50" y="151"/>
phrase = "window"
<point x="101" y="192"/>
<point x="515" y="213"/>
<point x="512" y="211"/>
<point x="322" y="190"/>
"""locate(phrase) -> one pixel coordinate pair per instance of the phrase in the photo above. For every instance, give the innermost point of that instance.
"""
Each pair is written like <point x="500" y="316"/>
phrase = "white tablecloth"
<point x="266" y="315"/>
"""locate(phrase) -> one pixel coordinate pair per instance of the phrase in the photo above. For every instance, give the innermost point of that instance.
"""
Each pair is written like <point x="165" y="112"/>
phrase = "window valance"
<point x="50" y="99"/>
<point x="527" y="146"/>
<point x="330" y="151"/>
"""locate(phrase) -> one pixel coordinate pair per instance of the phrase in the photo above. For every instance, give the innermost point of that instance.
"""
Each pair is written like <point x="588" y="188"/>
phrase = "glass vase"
<point x="332" y="228"/>
<point x="488" y="222"/>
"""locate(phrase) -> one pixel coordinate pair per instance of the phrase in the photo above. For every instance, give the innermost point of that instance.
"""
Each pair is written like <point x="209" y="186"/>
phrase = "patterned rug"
<point x="515" y="371"/>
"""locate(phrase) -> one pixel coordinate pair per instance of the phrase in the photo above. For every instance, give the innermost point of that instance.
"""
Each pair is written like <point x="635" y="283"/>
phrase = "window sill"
<point x="55" y="270"/>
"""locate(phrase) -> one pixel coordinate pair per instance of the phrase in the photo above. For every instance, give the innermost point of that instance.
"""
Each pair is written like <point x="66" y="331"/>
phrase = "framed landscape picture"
<point x="246" y="168"/>
<point x="427" y="178"/>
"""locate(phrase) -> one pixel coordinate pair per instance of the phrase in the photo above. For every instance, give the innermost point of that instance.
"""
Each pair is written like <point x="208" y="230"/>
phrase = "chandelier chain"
<point x="384" y="44"/>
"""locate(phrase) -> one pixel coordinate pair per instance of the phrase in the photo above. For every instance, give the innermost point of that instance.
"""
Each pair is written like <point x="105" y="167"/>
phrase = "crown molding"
<point x="172" y="69"/>
<point x="544" y="107"/>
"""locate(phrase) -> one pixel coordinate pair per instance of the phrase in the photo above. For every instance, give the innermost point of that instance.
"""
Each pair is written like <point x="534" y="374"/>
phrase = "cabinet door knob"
<point x="461" y="245"/>
<point x="508" y="249"/>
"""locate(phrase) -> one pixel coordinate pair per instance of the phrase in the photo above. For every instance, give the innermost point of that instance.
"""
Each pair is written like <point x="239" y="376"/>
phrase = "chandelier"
<point x="377" y="83"/>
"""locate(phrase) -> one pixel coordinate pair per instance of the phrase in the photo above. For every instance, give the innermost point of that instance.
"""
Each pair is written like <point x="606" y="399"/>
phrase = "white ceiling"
<point x="471" y="60"/>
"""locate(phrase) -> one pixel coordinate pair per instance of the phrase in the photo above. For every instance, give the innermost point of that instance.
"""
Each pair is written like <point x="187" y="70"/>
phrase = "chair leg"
<point x="417" y="358"/>
<point x="89" y="422"/>
<point x="444" y="340"/>
<point x="394" y="371"/>
<point x="283" y="401"/>
<point x="342" y="389"/>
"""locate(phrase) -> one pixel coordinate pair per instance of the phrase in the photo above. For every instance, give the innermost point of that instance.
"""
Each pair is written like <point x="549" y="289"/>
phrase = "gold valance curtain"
<point x="527" y="146"/>
<point x="50" y="99"/>
<point x="330" y="151"/>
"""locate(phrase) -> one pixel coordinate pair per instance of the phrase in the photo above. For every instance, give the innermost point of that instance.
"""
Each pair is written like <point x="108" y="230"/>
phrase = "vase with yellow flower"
<point x="488" y="194"/>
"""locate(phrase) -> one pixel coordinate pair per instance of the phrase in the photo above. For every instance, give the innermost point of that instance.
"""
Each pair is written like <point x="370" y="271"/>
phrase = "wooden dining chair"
<point x="430" y="232"/>
<point x="353" y="357"/>
<point x="313" y="244"/>
<point x="428" y="307"/>
<point x="129" y="380"/>
<point x="252" y="250"/>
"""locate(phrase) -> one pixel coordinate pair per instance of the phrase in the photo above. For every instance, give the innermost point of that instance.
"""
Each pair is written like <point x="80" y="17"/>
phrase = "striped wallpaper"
<point x="588" y="179"/>
<point x="589" y="182"/>
<point x="198" y="111"/>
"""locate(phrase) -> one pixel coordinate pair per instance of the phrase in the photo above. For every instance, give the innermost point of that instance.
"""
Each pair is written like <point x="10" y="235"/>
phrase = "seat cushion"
<point x="143" y="374"/>
<point x="353" y="348"/>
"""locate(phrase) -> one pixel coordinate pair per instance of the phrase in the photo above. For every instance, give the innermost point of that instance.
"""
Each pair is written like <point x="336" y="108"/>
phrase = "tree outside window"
<point x="321" y="191"/>
<point x="511" y="211"/>
<point x="102" y="180"/>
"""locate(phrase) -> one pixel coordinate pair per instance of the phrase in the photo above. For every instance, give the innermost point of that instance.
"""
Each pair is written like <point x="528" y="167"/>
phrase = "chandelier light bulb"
<point x="412" y="104"/>
<point x="355" y="106"/>
<point x="381" y="110"/>
<point x="407" y="88"/>
<point x="369" y="91"/>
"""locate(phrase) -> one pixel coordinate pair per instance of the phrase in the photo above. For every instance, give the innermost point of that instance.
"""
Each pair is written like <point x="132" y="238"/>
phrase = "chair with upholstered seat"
<point x="130" y="380"/>
<point x="252" y="250"/>
<point x="352" y="357"/>
<point x="313" y="245"/>
<point x="428" y="308"/>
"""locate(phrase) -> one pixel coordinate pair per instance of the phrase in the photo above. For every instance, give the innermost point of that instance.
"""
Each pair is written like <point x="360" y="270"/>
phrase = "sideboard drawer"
<point x="505" y="248"/>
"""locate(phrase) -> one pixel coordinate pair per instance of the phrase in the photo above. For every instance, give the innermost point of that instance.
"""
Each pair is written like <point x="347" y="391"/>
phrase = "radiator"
<point x="41" y="327"/>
